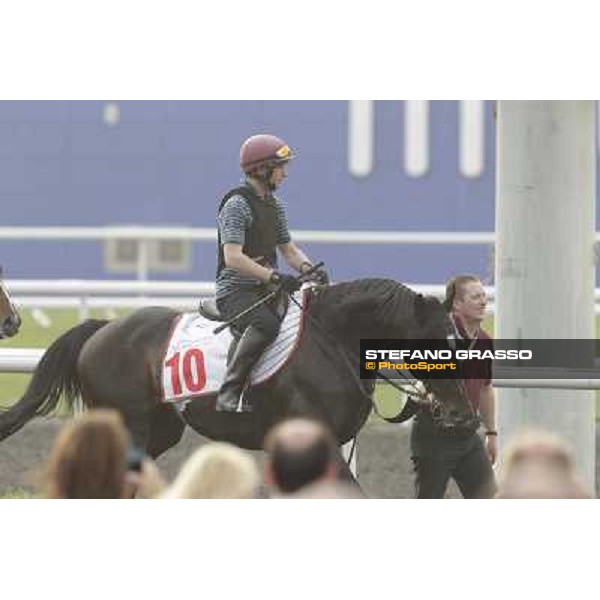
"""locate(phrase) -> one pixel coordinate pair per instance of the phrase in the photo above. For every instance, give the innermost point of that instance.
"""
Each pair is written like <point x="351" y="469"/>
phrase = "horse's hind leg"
<point x="166" y="429"/>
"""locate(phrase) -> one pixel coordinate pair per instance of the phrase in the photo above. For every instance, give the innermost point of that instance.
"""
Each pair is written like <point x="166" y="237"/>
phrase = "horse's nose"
<point x="11" y="326"/>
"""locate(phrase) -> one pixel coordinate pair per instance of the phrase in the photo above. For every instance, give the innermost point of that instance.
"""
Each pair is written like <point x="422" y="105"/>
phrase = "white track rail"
<point x="25" y="360"/>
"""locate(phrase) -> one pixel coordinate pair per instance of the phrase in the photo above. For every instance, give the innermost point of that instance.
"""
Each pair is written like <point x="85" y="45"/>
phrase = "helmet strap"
<point x="270" y="185"/>
<point x="261" y="182"/>
<point x="263" y="176"/>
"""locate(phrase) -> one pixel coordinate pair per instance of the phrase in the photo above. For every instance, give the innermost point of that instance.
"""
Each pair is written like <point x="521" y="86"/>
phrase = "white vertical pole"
<point x="471" y="138"/>
<point x="361" y="137"/>
<point x="545" y="221"/>
<point x="416" y="137"/>
<point x="84" y="308"/>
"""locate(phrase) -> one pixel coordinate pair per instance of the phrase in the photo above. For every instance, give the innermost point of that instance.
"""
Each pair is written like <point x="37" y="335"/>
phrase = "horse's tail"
<point x="55" y="375"/>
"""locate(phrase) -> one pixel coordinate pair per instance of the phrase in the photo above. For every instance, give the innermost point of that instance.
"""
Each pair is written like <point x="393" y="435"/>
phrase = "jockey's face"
<point x="470" y="302"/>
<point x="278" y="175"/>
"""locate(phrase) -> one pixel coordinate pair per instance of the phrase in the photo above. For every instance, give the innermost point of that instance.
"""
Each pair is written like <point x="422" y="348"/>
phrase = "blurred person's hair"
<point x="88" y="458"/>
<point x="217" y="470"/>
<point x="301" y="451"/>
<point x="455" y="288"/>
<point x="539" y="464"/>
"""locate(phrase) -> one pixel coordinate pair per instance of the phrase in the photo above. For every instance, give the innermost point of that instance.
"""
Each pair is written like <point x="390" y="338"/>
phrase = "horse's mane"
<point x="383" y="298"/>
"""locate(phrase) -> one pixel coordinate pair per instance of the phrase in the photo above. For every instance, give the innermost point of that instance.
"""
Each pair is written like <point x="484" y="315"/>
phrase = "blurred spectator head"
<point x="216" y="470"/>
<point x="300" y="451"/>
<point x="88" y="458"/>
<point x="539" y="464"/>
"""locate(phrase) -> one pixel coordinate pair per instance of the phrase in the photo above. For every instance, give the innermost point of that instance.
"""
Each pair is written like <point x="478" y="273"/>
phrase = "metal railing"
<point x="144" y="235"/>
<point x="82" y="294"/>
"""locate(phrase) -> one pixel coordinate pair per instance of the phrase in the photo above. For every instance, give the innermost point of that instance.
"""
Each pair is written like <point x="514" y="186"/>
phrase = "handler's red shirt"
<point x="477" y="373"/>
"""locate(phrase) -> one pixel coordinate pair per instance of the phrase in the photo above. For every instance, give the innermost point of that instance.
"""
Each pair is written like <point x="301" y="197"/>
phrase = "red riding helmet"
<point x="263" y="151"/>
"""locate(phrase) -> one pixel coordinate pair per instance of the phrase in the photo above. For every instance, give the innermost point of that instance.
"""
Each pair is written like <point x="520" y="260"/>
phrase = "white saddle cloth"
<point x="195" y="360"/>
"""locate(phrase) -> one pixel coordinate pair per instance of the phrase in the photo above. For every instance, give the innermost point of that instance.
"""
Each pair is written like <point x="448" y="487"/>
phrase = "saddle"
<point x="195" y="359"/>
<point x="209" y="310"/>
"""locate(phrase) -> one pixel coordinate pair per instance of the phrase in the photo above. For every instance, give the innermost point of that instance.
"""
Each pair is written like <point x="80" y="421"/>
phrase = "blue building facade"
<point x="168" y="163"/>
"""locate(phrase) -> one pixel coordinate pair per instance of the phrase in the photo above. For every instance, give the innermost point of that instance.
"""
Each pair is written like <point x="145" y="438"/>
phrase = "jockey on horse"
<point x="252" y="226"/>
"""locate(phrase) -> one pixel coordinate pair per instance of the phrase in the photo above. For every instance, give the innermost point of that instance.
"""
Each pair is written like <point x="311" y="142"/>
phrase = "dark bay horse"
<point x="117" y="364"/>
<point x="10" y="321"/>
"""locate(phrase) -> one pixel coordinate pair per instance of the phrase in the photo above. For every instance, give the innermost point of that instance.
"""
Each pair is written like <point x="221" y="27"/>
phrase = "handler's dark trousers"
<point x="437" y="456"/>
<point x="258" y="329"/>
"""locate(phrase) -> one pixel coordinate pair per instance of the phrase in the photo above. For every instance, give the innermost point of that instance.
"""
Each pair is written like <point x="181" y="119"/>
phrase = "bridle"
<point x="422" y="391"/>
<point x="13" y="319"/>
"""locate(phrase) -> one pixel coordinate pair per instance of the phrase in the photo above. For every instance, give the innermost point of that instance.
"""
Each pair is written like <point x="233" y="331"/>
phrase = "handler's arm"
<point x="487" y="408"/>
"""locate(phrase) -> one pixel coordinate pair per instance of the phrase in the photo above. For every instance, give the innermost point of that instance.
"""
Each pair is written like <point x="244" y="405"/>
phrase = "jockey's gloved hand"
<point x="319" y="276"/>
<point x="286" y="282"/>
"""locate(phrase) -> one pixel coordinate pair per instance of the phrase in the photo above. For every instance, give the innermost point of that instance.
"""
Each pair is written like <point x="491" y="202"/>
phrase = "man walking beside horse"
<point x="437" y="453"/>
<point x="252" y="226"/>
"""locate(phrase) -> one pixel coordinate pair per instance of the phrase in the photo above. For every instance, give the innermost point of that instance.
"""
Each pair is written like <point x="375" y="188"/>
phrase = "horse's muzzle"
<point x="10" y="326"/>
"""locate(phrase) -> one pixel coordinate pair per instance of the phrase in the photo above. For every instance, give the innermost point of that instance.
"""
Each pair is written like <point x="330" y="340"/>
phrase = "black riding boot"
<point x="249" y="348"/>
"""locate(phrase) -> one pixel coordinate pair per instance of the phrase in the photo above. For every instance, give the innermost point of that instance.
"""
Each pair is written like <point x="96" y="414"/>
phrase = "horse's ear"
<point x="426" y="307"/>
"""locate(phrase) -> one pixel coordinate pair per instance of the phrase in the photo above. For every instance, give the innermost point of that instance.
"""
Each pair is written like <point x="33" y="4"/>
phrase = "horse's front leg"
<point x="345" y="475"/>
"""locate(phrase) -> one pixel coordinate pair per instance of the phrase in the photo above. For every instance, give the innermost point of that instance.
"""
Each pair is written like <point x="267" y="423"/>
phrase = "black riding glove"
<point x="288" y="283"/>
<point x="319" y="276"/>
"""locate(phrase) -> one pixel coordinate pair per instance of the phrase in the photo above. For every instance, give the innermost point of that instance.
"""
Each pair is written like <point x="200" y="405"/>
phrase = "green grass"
<point x="17" y="494"/>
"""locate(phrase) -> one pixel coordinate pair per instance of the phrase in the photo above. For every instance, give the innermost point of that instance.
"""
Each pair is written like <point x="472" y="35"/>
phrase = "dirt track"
<point x="384" y="467"/>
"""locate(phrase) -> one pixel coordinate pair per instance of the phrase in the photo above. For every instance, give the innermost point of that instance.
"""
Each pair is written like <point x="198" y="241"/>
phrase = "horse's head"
<point x="451" y="407"/>
<point x="10" y="321"/>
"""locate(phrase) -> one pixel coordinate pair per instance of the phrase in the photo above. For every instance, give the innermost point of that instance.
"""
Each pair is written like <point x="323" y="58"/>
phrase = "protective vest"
<point x="261" y="237"/>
